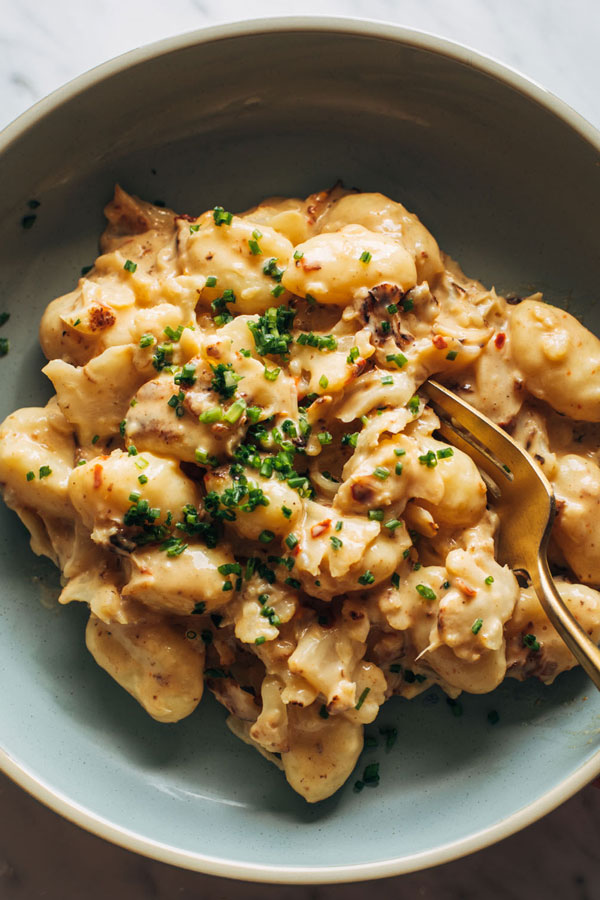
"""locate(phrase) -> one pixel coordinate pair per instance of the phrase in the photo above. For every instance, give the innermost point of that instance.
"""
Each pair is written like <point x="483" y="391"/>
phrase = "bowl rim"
<point x="281" y="874"/>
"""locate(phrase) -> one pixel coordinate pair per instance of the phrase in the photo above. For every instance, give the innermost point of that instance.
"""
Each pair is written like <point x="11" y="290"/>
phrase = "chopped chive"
<point x="387" y="379"/>
<point x="371" y="774"/>
<point x="476" y="626"/>
<point x="30" y="476"/>
<point x="398" y="358"/>
<point x="395" y="579"/>
<point x="362" y="698"/>
<point x="428" y="459"/>
<point x="254" y="247"/>
<point x="335" y="542"/>
<point x="230" y="569"/>
<point x="221" y="217"/>
<point x="390" y="735"/>
<point x="4" y="346"/>
<point x="194" y="229"/>
<point x="146" y="340"/>
<point x="287" y="512"/>
<point x="323" y="381"/>
<point x="266" y="536"/>
<point x="292" y="541"/>
<point x="398" y="468"/>
<point x="392" y="309"/>
<point x="45" y="471"/>
<point x="143" y="479"/>
<point x="489" y="579"/>
<point x="298" y="254"/>
<point x="260" y="640"/>
<point x="530" y="641"/>
<point x="365" y="256"/>
<point x="323" y="712"/>
<point x="393" y="524"/>
<point x="381" y="472"/>
<point x="339" y="526"/>
<point x="413" y="405"/>
<point x="130" y="266"/>
<point x="95" y="439"/>
<point x="352" y="356"/>
<point x="210" y="281"/>
<point x="399" y="451"/>
<point x="446" y="453"/>
<point x="452" y="354"/>
<point x="376" y="515"/>
<point x="350" y="440"/>
<point x="271" y="374"/>
<point x="366" y="578"/>
<point x="235" y="411"/>
<point x="214" y="414"/>
<point x="425" y="591"/>
<point x="324" y="438"/>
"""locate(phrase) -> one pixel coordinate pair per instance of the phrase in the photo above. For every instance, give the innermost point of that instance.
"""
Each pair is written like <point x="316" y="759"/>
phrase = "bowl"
<point x="507" y="179"/>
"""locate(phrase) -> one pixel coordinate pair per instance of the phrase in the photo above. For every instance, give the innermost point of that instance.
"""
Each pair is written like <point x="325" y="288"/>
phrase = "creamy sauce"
<point x="239" y="479"/>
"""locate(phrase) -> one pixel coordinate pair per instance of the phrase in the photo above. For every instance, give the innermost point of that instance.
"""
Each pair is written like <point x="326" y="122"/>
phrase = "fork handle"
<point x="579" y="643"/>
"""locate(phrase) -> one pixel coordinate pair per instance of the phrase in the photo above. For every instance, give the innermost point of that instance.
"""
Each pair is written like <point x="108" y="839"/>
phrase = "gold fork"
<point x="524" y="500"/>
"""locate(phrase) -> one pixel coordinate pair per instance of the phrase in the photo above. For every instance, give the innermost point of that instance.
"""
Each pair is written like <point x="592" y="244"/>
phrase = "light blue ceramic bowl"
<point x="508" y="180"/>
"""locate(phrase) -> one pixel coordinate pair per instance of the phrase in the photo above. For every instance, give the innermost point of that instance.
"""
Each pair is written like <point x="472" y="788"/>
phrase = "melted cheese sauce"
<point x="238" y="477"/>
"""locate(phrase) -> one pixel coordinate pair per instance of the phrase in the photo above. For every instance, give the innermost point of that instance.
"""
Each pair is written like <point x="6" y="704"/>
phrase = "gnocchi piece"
<point x="559" y="358"/>
<point x="334" y="268"/>
<point x="107" y="487"/>
<point x="533" y="646"/>
<point x="322" y="754"/>
<point x="37" y="453"/>
<point x="95" y="398"/>
<point x="181" y="584"/>
<point x="577" y="489"/>
<point x="382" y="215"/>
<point x="261" y="511"/>
<point x="241" y="255"/>
<point x="155" y="663"/>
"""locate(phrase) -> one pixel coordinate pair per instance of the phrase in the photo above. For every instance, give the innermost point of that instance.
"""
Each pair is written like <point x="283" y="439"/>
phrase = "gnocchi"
<point x="239" y="478"/>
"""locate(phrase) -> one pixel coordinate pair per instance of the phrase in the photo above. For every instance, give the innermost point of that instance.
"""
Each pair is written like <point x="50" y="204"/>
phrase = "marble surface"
<point x="43" y="45"/>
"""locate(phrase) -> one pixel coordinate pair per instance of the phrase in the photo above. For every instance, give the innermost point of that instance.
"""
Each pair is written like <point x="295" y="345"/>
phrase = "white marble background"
<point x="44" y="43"/>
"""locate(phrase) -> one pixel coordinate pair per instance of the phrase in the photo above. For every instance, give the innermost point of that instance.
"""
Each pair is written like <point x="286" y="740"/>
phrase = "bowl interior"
<point x="511" y="191"/>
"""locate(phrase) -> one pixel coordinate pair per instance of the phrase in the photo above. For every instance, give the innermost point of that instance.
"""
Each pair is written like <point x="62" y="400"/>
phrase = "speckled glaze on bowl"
<point x="508" y="179"/>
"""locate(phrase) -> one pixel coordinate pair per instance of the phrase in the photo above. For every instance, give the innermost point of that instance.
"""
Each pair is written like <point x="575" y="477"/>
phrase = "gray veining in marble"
<point x="44" y="43"/>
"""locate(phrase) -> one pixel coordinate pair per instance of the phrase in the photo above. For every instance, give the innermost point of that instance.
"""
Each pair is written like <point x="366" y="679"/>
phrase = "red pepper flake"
<point x="499" y="340"/>
<point x="319" y="529"/>
<point x="465" y="588"/>
<point x="186" y="217"/>
<point x="97" y="475"/>
<point x="310" y="267"/>
<point x="440" y="342"/>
